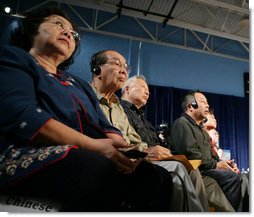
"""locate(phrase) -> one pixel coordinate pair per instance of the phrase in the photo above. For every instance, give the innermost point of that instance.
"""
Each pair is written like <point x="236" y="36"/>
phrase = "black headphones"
<point x="97" y="60"/>
<point x="194" y="103"/>
<point x="95" y="68"/>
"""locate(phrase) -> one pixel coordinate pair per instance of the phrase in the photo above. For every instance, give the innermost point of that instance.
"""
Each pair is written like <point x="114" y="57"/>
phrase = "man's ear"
<point x="127" y="88"/>
<point x="189" y="107"/>
<point x="99" y="76"/>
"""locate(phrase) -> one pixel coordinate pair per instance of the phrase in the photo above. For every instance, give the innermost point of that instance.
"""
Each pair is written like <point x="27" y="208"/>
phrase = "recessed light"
<point x="7" y="10"/>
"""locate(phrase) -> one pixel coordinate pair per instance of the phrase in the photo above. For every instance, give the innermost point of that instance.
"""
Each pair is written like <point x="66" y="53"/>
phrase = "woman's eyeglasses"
<point x="61" y="25"/>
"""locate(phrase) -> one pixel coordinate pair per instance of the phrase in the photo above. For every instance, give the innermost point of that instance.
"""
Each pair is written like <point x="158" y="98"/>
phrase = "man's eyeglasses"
<point x="116" y="62"/>
<point x="62" y="26"/>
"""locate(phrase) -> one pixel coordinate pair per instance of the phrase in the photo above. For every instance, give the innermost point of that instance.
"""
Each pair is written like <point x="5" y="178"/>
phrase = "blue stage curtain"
<point x="232" y="114"/>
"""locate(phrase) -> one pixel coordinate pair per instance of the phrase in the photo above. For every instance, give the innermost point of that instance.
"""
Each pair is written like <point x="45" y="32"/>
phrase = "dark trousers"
<point x="230" y="184"/>
<point x="87" y="181"/>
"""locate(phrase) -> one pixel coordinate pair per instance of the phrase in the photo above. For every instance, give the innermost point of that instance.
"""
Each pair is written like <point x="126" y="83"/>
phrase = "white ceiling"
<point x="217" y="27"/>
<point x="224" y="18"/>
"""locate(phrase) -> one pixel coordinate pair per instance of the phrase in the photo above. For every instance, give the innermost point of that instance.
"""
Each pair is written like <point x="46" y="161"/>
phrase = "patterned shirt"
<point x="142" y="126"/>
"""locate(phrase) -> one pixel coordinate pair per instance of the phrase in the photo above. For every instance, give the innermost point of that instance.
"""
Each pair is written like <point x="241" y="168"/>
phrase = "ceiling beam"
<point x="201" y="41"/>
<point x="207" y="31"/>
<point x="107" y="21"/>
<point x="231" y="7"/>
<point x="245" y="47"/>
<point x="145" y="29"/>
<point x="37" y="6"/>
<point x="80" y="17"/>
<point x="169" y="16"/>
<point x="113" y="9"/>
<point x="149" y="7"/>
<point x="168" y="44"/>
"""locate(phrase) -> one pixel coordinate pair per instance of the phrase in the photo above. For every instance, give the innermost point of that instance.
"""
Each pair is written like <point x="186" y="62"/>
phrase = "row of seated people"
<point x="210" y="126"/>
<point x="59" y="141"/>
<point x="128" y="116"/>
<point x="55" y="141"/>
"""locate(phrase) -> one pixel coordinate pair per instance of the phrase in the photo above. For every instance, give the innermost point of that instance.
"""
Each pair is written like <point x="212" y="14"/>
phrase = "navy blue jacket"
<point x="29" y="97"/>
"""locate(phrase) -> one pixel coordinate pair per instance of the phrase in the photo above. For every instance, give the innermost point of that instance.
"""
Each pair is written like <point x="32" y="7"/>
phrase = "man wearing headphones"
<point x="110" y="72"/>
<point x="188" y="137"/>
<point x="135" y="94"/>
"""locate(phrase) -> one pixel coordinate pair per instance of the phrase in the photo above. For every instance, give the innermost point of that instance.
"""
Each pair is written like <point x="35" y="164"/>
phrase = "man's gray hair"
<point x="132" y="80"/>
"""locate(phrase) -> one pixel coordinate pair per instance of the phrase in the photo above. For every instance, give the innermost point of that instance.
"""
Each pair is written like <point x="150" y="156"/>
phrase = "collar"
<point x="133" y="107"/>
<point x="190" y="119"/>
<point x="103" y="100"/>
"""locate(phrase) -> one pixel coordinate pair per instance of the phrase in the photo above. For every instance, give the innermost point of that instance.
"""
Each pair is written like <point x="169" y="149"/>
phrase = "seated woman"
<point x="55" y="141"/>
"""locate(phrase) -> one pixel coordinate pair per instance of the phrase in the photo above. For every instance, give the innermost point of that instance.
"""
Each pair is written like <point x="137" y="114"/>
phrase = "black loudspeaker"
<point x="96" y="70"/>
<point x="194" y="104"/>
<point x="205" y="120"/>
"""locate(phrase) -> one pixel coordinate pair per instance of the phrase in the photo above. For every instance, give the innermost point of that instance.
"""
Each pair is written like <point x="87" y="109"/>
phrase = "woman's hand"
<point x="118" y="141"/>
<point x="54" y="132"/>
<point x="107" y="148"/>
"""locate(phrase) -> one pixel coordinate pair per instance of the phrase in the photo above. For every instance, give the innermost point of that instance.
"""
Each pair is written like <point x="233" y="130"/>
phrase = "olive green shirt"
<point x="116" y="116"/>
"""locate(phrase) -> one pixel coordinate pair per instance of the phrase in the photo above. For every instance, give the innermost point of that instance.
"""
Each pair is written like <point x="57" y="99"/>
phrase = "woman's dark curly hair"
<point x="23" y="35"/>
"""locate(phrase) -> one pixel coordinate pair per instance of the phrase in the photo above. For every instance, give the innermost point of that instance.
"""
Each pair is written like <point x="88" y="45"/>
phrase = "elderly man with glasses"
<point x="110" y="72"/>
